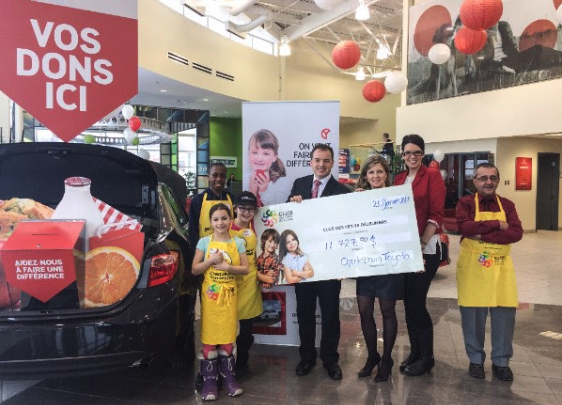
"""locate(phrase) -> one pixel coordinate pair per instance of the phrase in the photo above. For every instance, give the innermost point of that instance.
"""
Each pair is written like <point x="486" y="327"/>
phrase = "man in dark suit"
<point x="320" y="184"/>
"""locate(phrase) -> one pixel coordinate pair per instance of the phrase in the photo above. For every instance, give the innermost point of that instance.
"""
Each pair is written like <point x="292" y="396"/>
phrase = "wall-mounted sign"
<point x="523" y="173"/>
<point x="67" y="67"/>
<point x="231" y="162"/>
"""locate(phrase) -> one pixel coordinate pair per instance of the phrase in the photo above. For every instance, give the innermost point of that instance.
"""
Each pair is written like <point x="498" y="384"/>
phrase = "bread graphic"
<point x="25" y="206"/>
<point x="8" y="221"/>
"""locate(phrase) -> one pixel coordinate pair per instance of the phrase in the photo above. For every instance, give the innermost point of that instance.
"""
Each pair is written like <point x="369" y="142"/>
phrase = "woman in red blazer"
<point x="429" y="199"/>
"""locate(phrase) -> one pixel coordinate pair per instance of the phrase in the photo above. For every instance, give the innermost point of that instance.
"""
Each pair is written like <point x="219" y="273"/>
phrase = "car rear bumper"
<point x="68" y="366"/>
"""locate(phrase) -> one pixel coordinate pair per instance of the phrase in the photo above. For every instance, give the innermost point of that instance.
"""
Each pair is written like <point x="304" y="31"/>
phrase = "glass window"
<point x="193" y="16"/>
<point x="218" y="27"/>
<point x="263" y="45"/>
<point x="175" y="5"/>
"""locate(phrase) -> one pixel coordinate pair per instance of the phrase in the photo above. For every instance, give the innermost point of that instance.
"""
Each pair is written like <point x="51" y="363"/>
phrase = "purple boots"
<point x="226" y="367"/>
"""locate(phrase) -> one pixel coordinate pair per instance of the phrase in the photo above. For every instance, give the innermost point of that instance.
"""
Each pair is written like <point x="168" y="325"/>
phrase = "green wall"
<point x="226" y="140"/>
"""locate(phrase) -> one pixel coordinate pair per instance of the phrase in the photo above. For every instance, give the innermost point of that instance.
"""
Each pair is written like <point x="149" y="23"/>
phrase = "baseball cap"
<point x="246" y="198"/>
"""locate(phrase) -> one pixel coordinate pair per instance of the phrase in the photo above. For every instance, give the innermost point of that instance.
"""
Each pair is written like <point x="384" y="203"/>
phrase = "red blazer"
<point x="429" y="196"/>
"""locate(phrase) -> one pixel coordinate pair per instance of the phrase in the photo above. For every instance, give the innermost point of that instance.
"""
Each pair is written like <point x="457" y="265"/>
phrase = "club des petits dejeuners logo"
<point x="270" y="218"/>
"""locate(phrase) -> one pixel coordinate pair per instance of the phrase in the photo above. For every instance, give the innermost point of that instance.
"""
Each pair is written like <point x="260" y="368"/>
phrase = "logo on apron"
<point x="484" y="259"/>
<point x="213" y="292"/>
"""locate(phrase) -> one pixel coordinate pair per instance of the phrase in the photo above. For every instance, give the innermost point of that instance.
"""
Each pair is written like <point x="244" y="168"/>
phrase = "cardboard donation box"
<point x="39" y="258"/>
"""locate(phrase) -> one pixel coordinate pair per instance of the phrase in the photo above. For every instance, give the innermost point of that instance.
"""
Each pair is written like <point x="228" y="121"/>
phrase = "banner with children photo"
<point x="278" y="138"/>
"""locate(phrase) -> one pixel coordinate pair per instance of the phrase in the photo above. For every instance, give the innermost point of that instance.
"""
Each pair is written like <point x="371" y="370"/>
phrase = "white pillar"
<point x="5" y="117"/>
<point x="18" y="123"/>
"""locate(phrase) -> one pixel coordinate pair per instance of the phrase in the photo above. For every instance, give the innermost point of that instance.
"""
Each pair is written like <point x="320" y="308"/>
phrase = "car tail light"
<point x="163" y="268"/>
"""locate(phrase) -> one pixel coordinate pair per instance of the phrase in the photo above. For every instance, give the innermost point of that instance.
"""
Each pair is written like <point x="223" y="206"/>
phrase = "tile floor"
<point x="537" y="362"/>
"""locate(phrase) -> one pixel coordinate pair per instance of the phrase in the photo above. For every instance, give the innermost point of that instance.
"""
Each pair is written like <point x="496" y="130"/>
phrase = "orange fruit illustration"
<point x="107" y="277"/>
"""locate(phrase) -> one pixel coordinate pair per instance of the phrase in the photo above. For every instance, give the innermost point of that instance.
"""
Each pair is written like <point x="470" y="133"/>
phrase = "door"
<point x="548" y="191"/>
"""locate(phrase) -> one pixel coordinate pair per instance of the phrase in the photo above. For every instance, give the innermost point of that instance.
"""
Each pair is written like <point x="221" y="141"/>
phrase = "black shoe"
<point x="503" y="373"/>
<point x="371" y="363"/>
<point x="420" y="367"/>
<point x="240" y="371"/>
<point x="305" y="367"/>
<point x="334" y="371"/>
<point x="385" y="370"/>
<point x="408" y="361"/>
<point x="476" y="370"/>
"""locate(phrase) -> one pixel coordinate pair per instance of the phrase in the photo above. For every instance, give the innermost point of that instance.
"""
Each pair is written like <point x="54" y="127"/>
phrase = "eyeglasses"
<point x="416" y="153"/>
<point x="484" y="179"/>
<point x="246" y="209"/>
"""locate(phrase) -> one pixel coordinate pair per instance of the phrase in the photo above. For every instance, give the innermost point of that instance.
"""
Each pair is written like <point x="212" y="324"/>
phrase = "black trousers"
<point x="416" y="287"/>
<point x="328" y="294"/>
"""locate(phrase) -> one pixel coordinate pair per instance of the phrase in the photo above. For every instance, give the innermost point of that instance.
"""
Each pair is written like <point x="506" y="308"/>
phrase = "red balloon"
<point x="356" y="168"/>
<point x="434" y="164"/>
<point x="346" y="54"/>
<point x="135" y="123"/>
<point x="469" y="41"/>
<point x="481" y="14"/>
<point x="374" y="91"/>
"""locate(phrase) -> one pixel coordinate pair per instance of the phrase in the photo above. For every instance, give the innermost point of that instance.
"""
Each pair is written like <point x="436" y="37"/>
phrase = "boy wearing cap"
<point x="249" y="293"/>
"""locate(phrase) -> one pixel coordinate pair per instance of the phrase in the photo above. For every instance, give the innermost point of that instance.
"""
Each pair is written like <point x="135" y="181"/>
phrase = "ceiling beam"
<point x="301" y="6"/>
<point x="317" y="21"/>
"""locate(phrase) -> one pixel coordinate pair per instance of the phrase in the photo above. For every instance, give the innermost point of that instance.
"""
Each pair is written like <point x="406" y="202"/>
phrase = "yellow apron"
<point x="249" y="292"/>
<point x="485" y="272"/>
<point x="204" y="220"/>
<point x="219" y="319"/>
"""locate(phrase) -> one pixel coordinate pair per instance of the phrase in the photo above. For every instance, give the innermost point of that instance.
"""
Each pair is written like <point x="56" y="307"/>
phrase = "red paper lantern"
<point x="374" y="91"/>
<point x="481" y="14"/>
<point x="346" y="54"/>
<point x="434" y="165"/>
<point x="469" y="41"/>
<point x="135" y="123"/>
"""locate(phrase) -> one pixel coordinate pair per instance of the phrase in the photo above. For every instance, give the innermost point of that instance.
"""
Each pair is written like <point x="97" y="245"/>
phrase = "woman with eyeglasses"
<point x="429" y="192"/>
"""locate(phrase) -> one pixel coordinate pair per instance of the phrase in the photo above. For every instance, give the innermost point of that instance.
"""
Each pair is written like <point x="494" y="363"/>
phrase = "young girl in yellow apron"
<point x="249" y="292"/>
<point x="485" y="272"/>
<point x="220" y="258"/>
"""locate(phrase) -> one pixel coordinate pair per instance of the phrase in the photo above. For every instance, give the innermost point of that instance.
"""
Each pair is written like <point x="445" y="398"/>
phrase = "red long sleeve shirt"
<point x="489" y="230"/>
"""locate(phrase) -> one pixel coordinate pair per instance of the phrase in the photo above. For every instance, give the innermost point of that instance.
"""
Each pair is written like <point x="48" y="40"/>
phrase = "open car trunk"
<point x="37" y="171"/>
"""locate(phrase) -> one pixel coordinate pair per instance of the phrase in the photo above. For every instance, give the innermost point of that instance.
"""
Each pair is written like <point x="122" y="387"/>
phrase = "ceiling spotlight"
<point x="284" y="48"/>
<point x="360" y="75"/>
<point x="383" y="52"/>
<point x="362" y="13"/>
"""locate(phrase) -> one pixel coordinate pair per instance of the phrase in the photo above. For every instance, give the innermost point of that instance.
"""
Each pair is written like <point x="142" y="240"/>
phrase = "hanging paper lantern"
<point x="374" y="91"/>
<point x="327" y="4"/>
<point x="434" y="165"/>
<point x="439" y="54"/>
<point x="469" y="41"/>
<point x="135" y="123"/>
<point x="481" y="14"/>
<point x="438" y="155"/>
<point x="128" y="111"/>
<point x="396" y="83"/>
<point x="346" y="54"/>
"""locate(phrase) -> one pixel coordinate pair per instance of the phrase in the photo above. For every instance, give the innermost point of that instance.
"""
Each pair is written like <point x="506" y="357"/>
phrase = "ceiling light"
<point x="383" y="52"/>
<point x="360" y="75"/>
<point x="284" y="49"/>
<point x="362" y="13"/>
<point x="163" y="90"/>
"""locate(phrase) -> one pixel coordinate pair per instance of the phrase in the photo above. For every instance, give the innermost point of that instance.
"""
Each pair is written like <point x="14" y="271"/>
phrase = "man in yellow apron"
<point x="489" y="224"/>
<point x="199" y="223"/>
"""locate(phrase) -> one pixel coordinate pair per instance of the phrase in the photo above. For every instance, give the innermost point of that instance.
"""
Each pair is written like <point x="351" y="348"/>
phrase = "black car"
<point x="153" y="321"/>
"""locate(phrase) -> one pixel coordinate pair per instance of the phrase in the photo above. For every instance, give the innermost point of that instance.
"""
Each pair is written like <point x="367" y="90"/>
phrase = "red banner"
<point x="67" y="67"/>
<point x="523" y="173"/>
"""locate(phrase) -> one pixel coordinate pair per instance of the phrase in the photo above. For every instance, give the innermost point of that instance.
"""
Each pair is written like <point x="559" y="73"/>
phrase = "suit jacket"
<point x="303" y="187"/>
<point x="429" y="196"/>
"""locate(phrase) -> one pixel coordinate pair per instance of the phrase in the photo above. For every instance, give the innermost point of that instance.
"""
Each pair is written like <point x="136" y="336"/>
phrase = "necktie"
<point x="316" y="188"/>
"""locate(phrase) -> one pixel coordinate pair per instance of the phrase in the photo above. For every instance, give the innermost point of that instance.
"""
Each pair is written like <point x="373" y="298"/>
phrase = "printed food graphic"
<point x="106" y="277"/>
<point x="15" y="210"/>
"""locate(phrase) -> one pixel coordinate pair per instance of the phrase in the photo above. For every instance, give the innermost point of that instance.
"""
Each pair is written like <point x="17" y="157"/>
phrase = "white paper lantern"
<point x="327" y="4"/>
<point x="143" y="154"/>
<point x="396" y="83"/>
<point x="438" y="155"/>
<point x="128" y="111"/>
<point x="129" y="134"/>
<point x="439" y="54"/>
